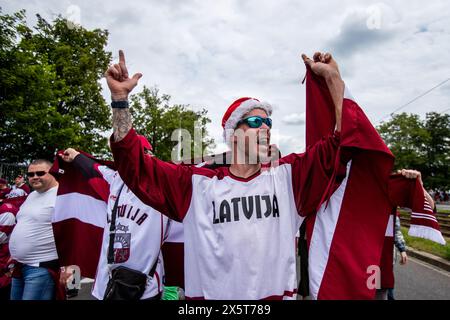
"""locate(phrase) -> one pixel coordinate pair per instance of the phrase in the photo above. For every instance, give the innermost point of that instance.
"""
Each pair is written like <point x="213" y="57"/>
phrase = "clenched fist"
<point x="118" y="81"/>
<point x="411" y="174"/>
<point x="323" y="64"/>
<point x="69" y="154"/>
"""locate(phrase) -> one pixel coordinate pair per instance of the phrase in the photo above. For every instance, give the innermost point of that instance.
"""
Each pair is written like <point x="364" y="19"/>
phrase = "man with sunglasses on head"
<point x="240" y="221"/>
<point x="32" y="244"/>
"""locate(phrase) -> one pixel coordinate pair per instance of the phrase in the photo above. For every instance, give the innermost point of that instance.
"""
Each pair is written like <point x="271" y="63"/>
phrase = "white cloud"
<point x="294" y="118"/>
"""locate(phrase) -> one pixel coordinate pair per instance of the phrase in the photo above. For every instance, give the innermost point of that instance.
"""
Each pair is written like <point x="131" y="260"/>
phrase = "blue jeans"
<point x="36" y="284"/>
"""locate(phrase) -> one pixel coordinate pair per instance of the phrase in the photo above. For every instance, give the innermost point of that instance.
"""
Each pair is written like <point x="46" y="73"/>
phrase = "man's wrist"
<point x="119" y="97"/>
<point x="119" y="104"/>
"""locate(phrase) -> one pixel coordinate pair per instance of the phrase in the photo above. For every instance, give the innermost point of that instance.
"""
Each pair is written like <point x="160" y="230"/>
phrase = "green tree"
<point x="421" y="145"/>
<point x="407" y="137"/>
<point x="157" y="120"/>
<point x="50" y="95"/>
<point x="438" y="150"/>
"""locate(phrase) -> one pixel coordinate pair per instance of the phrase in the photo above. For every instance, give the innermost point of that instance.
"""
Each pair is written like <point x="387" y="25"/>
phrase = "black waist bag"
<point x="125" y="284"/>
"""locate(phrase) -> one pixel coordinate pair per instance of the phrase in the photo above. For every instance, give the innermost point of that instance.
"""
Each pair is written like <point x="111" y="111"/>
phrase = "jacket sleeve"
<point x="89" y="168"/>
<point x="399" y="241"/>
<point x="312" y="172"/>
<point x="164" y="186"/>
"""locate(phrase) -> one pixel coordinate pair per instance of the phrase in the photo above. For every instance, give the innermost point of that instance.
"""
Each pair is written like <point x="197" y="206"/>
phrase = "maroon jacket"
<point x="4" y="192"/>
<point x="7" y="222"/>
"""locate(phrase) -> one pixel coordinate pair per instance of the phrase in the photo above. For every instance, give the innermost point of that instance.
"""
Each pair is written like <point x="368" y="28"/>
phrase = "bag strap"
<point x="303" y="285"/>
<point x="112" y="235"/>
<point x="112" y="228"/>
<point x="153" y="269"/>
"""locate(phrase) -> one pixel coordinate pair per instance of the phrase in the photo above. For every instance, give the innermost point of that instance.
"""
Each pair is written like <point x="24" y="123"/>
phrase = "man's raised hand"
<point x="411" y="174"/>
<point x="69" y="154"/>
<point x="119" y="83"/>
<point x="322" y="64"/>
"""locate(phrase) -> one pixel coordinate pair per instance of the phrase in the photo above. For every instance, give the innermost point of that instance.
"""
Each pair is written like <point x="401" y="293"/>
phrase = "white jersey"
<point x="16" y="192"/>
<point x="140" y="232"/>
<point x="242" y="247"/>
<point x="239" y="234"/>
<point x="32" y="239"/>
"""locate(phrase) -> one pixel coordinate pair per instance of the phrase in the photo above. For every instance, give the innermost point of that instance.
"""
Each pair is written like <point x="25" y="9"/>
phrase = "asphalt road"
<point x="416" y="280"/>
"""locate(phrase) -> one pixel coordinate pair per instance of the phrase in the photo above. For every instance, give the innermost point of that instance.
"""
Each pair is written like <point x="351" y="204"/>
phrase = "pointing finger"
<point x="121" y="57"/>
<point x="123" y="64"/>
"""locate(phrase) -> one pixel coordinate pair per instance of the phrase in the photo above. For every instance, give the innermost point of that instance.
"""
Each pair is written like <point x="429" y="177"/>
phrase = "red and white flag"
<point x="80" y="217"/>
<point x="346" y="235"/>
<point x="409" y="193"/>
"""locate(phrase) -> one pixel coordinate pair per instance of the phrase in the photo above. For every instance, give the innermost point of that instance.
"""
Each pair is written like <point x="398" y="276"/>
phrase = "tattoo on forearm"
<point x="121" y="123"/>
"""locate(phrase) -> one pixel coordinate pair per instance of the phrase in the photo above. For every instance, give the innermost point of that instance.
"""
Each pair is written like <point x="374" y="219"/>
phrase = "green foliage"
<point x="438" y="150"/>
<point x="421" y="145"/>
<point x="157" y="120"/>
<point x="50" y="96"/>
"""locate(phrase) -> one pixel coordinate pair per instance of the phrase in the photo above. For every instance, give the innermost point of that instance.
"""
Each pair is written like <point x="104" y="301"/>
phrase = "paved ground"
<point x="85" y="291"/>
<point x="416" y="280"/>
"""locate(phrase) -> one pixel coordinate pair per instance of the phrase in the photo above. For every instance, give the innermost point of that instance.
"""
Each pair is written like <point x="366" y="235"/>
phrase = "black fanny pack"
<point x="125" y="284"/>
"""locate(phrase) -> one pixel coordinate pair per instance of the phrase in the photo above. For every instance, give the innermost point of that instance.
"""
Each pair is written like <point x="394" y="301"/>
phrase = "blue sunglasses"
<point x="256" y="121"/>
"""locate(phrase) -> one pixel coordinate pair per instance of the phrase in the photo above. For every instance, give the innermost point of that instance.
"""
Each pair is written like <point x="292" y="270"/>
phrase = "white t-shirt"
<point x="32" y="239"/>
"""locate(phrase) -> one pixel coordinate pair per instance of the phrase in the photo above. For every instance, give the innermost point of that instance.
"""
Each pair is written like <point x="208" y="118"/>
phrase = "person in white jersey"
<point x="239" y="221"/>
<point x="32" y="243"/>
<point x="140" y="230"/>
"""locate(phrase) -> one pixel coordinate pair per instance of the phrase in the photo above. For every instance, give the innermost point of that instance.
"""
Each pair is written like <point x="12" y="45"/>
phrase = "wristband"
<point x="119" y="104"/>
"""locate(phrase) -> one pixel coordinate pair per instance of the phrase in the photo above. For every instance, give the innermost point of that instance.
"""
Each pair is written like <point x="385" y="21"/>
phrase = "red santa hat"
<point x="236" y="112"/>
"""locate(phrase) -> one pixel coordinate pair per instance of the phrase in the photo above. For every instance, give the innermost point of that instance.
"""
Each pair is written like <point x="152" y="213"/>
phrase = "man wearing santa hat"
<point x="239" y="221"/>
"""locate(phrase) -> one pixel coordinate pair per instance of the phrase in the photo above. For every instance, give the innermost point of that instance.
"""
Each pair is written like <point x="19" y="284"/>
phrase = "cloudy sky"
<point x="209" y="53"/>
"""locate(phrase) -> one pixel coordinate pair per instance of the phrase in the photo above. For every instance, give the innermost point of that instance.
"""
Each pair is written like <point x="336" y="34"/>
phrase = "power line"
<point x="416" y="98"/>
